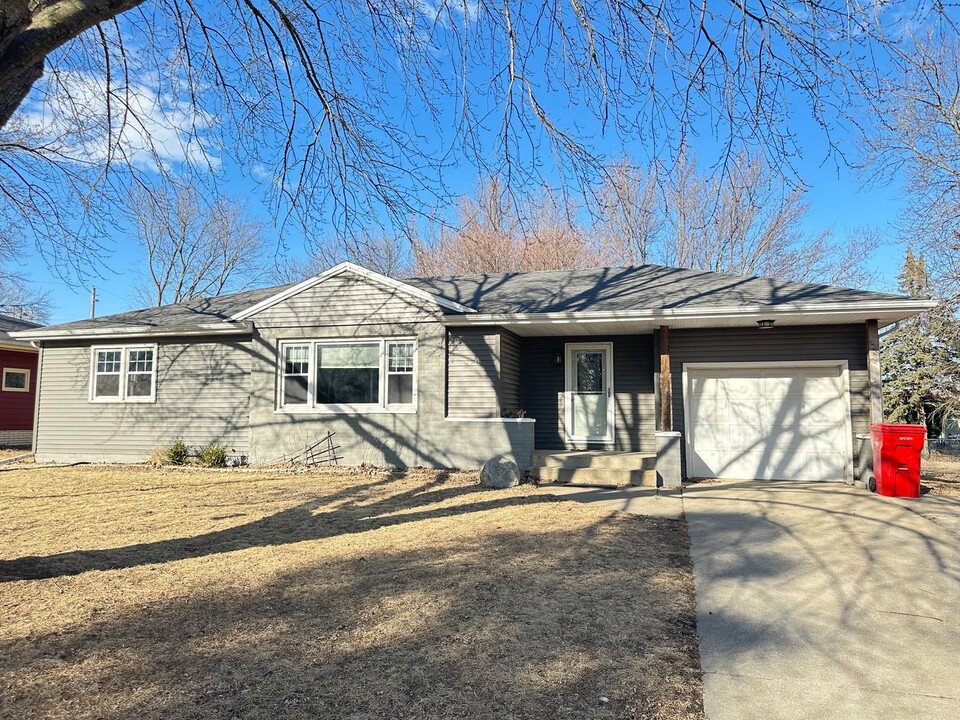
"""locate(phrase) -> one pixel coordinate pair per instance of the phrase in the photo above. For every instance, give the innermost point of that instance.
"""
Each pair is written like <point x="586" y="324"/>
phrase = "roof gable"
<point x="364" y="274"/>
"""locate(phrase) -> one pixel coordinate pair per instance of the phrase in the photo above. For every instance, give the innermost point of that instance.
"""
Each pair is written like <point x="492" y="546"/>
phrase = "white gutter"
<point x="88" y="333"/>
<point x="17" y="347"/>
<point x="665" y="315"/>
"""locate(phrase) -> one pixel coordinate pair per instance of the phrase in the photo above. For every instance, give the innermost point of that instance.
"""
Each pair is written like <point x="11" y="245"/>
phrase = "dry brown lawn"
<point x="6" y="452"/>
<point x="941" y="473"/>
<point x="128" y="592"/>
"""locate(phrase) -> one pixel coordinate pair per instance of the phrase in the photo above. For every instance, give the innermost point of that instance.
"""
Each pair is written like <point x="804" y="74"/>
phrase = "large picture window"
<point x="348" y="376"/>
<point x="123" y="374"/>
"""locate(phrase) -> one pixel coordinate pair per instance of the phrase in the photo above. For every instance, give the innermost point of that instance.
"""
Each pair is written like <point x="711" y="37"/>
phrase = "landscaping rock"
<point x="500" y="472"/>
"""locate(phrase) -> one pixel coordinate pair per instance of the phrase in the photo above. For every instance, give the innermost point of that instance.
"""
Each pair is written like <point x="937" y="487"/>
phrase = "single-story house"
<point x="615" y="372"/>
<point x="18" y="386"/>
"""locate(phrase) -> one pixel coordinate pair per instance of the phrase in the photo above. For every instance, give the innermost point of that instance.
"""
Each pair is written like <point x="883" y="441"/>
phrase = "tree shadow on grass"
<point x="345" y="513"/>
<point x="493" y="624"/>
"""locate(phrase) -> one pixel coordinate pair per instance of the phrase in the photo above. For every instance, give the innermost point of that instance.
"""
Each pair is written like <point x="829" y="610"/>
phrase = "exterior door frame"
<point x="569" y="349"/>
<point x="784" y="364"/>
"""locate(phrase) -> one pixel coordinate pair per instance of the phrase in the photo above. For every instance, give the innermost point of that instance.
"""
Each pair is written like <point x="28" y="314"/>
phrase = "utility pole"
<point x="93" y="302"/>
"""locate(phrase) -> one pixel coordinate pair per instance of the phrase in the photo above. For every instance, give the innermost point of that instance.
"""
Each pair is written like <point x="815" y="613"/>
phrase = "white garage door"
<point x="767" y="423"/>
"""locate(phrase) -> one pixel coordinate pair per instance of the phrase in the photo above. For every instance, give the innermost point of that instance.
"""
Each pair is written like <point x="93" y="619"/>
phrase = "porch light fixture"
<point x="558" y="359"/>
<point x="765" y="324"/>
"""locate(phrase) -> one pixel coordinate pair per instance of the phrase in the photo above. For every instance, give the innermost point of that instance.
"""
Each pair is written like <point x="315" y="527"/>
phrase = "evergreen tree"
<point x="920" y="359"/>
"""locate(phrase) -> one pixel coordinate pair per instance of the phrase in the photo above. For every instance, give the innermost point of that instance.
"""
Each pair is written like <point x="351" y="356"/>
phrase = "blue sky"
<point x="839" y="202"/>
<point x="836" y="197"/>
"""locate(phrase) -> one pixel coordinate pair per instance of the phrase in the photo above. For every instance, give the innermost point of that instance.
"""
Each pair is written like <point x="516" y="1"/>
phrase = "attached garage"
<point x="768" y="421"/>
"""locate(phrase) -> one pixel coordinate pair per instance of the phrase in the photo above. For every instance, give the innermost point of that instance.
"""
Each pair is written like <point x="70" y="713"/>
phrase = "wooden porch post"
<point x="873" y="372"/>
<point x="666" y="386"/>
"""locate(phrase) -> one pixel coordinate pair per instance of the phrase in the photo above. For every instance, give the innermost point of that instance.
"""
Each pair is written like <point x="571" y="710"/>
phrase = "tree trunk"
<point x="32" y="29"/>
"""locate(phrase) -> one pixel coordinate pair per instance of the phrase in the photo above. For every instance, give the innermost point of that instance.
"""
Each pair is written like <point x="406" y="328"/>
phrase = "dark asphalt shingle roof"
<point x="608" y="289"/>
<point x="185" y="314"/>
<point x="612" y="289"/>
<point x="9" y="324"/>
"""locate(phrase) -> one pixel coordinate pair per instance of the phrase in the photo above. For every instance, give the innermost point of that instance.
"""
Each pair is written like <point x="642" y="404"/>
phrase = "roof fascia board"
<point x="218" y="328"/>
<point x="345" y="267"/>
<point x="666" y="314"/>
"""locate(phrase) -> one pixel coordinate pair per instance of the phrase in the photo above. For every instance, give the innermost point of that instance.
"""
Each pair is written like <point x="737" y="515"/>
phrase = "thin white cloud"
<point x="150" y="129"/>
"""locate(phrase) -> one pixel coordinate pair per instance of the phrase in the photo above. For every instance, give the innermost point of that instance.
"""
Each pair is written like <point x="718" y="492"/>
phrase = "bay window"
<point x="347" y="375"/>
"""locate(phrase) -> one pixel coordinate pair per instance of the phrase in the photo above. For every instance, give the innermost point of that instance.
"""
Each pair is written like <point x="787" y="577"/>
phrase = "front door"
<point x="589" y="392"/>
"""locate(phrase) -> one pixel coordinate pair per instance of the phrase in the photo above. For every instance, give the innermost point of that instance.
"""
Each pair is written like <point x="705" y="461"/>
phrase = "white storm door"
<point x="589" y="392"/>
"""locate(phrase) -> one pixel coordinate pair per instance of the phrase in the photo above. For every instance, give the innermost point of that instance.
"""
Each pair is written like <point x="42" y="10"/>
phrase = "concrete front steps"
<point x="595" y="468"/>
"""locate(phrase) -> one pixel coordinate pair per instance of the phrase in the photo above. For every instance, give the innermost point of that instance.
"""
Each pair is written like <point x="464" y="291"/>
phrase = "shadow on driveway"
<point x="820" y="600"/>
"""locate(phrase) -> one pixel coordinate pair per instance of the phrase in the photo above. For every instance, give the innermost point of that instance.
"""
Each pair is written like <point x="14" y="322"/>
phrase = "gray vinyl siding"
<point x="483" y="372"/>
<point x="781" y="344"/>
<point x="424" y="436"/>
<point x="346" y="300"/>
<point x="202" y="396"/>
<point x="509" y="372"/>
<point x="473" y="373"/>
<point x="542" y="393"/>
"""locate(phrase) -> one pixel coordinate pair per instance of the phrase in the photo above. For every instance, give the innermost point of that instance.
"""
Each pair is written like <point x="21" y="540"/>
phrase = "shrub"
<point x="213" y="455"/>
<point x="177" y="453"/>
<point x="158" y="458"/>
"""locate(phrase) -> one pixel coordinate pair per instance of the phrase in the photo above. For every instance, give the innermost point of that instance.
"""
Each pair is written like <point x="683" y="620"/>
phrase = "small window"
<point x="296" y="374"/>
<point x="139" y="373"/>
<point x="107" y="381"/>
<point x="123" y="374"/>
<point x="16" y="380"/>
<point x="399" y="373"/>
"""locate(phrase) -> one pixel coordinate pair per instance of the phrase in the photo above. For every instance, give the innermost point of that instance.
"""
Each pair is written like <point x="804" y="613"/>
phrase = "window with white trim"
<point x="16" y="380"/>
<point x="399" y="373"/>
<point x="123" y="374"/>
<point x="348" y="375"/>
<point x="296" y="374"/>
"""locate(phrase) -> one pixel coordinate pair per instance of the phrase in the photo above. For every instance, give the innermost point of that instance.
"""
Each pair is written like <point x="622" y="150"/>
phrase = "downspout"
<point x="36" y="399"/>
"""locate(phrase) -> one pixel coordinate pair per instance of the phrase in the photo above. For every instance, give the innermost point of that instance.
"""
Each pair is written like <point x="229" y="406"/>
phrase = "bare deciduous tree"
<point x="194" y="249"/>
<point x="497" y="232"/>
<point x="917" y="130"/>
<point x="747" y="221"/>
<point x="355" y="107"/>
<point x="630" y="217"/>
<point x="17" y="297"/>
<point x="377" y="250"/>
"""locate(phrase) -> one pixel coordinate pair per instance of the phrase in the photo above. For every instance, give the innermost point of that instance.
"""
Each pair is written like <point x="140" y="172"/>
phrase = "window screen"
<point x="296" y="374"/>
<point x="399" y="373"/>
<point x="107" y="373"/>
<point x="139" y="372"/>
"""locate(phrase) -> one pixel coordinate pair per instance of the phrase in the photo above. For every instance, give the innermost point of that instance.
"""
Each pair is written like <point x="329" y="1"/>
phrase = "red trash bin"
<point x="896" y="458"/>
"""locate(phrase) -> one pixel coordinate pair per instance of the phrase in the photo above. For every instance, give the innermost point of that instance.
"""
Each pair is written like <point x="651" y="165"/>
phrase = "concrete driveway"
<point x="822" y="601"/>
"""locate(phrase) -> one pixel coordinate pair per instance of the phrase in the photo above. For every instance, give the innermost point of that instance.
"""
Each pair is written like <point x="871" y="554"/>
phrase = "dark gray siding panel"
<point x="509" y="371"/>
<point x="543" y="387"/>
<point x="472" y="373"/>
<point x="782" y="344"/>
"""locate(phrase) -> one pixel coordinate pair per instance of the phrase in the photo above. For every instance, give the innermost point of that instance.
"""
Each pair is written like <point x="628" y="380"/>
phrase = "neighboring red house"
<point x="18" y="384"/>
